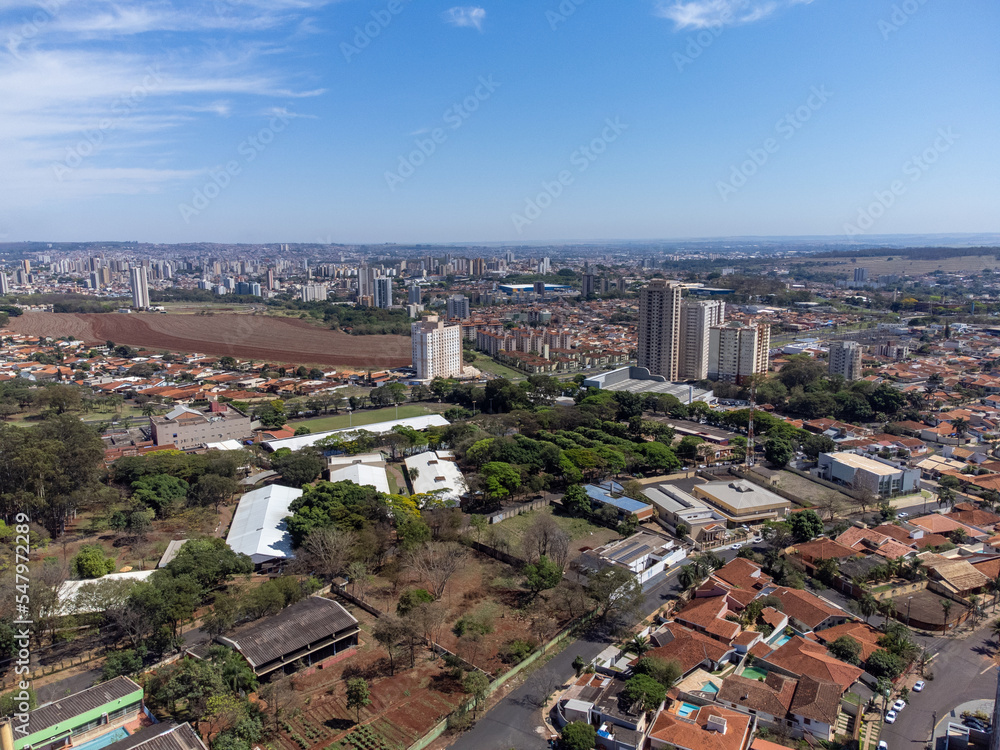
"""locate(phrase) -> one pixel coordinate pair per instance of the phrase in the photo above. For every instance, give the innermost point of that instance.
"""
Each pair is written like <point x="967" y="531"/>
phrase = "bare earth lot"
<point x="245" y="336"/>
<point x="900" y="264"/>
<point x="811" y="494"/>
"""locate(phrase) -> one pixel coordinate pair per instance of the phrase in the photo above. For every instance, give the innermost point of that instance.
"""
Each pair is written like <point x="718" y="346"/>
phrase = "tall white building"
<point x="697" y="318"/>
<point x="458" y="307"/>
<point x="4" y="284"/>
<point x="437" y="348"/>
<point x="845" y="359"/>
<point x="382" y="292"/>
<point x="414" y="294"/>
<point x="140" y="288"/>
<point x="313" y="292"/>
<point x="737" y="351"/>
<point x="659" y="327"/>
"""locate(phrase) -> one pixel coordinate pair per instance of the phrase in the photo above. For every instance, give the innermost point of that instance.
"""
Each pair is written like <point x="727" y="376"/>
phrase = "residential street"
<point x="963" y="669"/>
<point x="516" y="721"/>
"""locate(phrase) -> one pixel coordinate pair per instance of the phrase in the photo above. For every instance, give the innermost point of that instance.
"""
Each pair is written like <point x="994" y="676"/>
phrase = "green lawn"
<point x="577" y="528"/>
<point x="361" y="418"/>
<point x="485" y="364"/>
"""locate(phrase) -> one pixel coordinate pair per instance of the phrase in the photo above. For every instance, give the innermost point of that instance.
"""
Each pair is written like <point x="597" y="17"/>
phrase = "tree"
<point x="579" y="663"/>
<point x="946" y="605"/>
<point x="579" y="735"/>
<point x="641" y="693"/>
<point x="90" y="562"/>
<point x="778" y="451"/>
<point x="389" y="630"/>
<point x="358" y="695"/>
<point x="663" y="671"/>
<point x="882" y="663"/>
<point x="805" y="525"/>
<point x="545" y="538"/>
<point x="298" y="468"/>
<point x="545" y="574"/>
<point x="638" y="645"/>
<point x="576" y="501"/>
<point x="327" y="551"/>
<point x="213" y="489"/>
<point x="846" y="649"/>
<point x="436" y="563"/>
<point x="615" y="591"/>
<point x="501" y="480"/>
<point x="476" y="684"/>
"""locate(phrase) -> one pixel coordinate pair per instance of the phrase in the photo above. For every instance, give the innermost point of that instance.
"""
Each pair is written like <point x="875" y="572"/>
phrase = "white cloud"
<point x="469" y="16"/>
<point x="112" y="90"/>
<point x="706" y="14"/>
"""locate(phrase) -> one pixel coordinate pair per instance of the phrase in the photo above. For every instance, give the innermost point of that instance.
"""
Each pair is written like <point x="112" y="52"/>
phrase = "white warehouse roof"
<point x="258" y="527"/>
<point x="362" y="474"/>
<point x="379" y="428"/>
<point x="437" y="471"/>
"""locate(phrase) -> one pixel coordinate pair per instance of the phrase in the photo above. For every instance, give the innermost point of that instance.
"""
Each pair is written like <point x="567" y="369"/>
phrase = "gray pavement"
<point x="517" y="721"/>
<point x="964" y="670"/>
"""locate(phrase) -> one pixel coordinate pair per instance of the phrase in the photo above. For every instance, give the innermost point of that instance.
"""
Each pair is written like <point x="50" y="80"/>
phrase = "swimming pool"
<point x="709" y="687"/>
<point x="104" y="740"/>
<point x="782" y="641"/>
<point x="687" y="709"/>
<point x="752" y="673"/>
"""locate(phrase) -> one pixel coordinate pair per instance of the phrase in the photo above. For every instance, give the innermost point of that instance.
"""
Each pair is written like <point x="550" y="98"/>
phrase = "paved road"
<point x="964" y="670"/>
<point x="516" y="721"/>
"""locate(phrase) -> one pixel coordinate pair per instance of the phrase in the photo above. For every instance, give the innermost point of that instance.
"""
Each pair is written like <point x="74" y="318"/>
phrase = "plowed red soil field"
<point x="257" y="337"/>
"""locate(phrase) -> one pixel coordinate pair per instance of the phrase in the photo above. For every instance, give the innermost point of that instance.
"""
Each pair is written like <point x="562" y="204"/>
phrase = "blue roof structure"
<point x="602" y="494"/>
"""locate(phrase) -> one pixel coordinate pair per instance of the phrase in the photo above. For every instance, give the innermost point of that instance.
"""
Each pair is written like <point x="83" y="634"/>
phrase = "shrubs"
<point x="516" y="651"/>
<point x="90" y="562"/>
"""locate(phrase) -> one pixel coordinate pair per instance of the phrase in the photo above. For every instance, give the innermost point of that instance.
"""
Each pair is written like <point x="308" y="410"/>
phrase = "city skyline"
<point x="297" y="121"/>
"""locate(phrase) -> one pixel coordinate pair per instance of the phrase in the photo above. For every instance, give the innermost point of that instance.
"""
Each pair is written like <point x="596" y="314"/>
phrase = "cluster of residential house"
<point x="736" y="676"/>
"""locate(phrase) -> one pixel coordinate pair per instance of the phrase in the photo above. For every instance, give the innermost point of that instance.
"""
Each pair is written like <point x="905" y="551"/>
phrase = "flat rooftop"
<point x="870" y="465"/>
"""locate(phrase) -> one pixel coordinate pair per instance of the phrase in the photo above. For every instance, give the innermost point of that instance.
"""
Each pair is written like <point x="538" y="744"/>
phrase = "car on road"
<point x="890" y="718"/>
<point x="737" y="545"/>
<point x="918" y="686"/>
<point x="899" y="705"/>
<point x="902" y="515"/>
<point x="883" y="745"/>
<point x="973" y="723"/>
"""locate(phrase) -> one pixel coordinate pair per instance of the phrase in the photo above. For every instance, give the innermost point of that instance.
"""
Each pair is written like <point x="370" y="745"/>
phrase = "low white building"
<point x="644" y="554"/>
<point x="436" y="471"/>
<point x="883" y="478"/>
<point x="259" y="530"/>
<point x="363" y="475"/>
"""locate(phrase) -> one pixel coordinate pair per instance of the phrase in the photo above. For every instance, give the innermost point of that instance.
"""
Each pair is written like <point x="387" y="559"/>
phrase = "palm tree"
<point x="976" y="608"/>
<point x="995" y="629"/>
<point x="946" y="605"/>
<point x="994" y="586"/>
<point x="867" y="606"/>
<point x="888" y="610"/>
<point x="638" y="645"/>
<point x="960" y="426"/>
<point x="687" y="577"/>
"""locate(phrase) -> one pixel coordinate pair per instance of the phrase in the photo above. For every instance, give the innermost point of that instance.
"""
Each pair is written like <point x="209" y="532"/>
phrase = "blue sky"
<point x="522" y="120"/>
